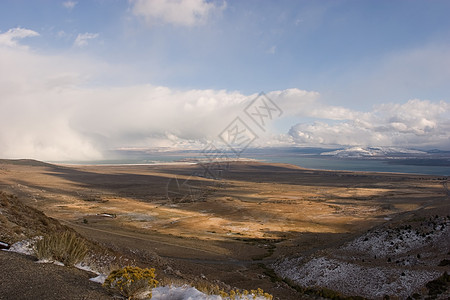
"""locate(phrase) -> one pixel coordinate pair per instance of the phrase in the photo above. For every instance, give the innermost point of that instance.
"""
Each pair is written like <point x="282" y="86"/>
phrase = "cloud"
<point x="83" y="38"/>
<point x="176" y="12"/>
<point x="11" y="37"/>
<point x="300" y="103"/>
<point x="35" y="115"/>
<point x="416" y="123"/>
<point x="69" y="4"/>
<point x="51" y="110"/>
<point x="50" y="114"/>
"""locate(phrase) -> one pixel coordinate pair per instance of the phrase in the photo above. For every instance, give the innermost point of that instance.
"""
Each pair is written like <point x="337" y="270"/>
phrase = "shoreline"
<point x="262" y="162"/>
<point x="241" y="160"/>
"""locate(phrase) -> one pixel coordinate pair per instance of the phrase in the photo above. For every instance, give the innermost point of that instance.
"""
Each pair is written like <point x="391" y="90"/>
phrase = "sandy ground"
<point x="221" y="228"/>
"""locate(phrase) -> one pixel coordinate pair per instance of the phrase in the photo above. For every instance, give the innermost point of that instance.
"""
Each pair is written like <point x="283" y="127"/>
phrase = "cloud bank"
<point x="415" y="124"/>
<point x="51" y="110"/>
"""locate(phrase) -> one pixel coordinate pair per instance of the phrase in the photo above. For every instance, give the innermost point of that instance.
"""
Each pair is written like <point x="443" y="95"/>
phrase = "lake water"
<point x="328" y="163"/>
<point x="308" y="160"/>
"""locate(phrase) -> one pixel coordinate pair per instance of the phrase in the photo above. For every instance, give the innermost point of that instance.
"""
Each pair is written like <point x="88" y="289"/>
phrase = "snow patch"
<point x="85" y="267"/>
<point x="344" y="269"/>
<point x="390" y="242"/>
<point x="49" y="261"/>
<point x="99" y="279"/>
<point x="25" y="246"/>
<point x="180" y="293"/>
<point x="187" y="292"/>
<point x="354" y="279"/>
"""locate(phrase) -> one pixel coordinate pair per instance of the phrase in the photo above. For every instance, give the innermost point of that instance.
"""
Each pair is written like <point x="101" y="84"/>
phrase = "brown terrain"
<point x="230" y="230"/>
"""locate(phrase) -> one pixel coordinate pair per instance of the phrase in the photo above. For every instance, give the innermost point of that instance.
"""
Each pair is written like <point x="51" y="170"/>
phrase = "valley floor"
<point x="239" y="226"/>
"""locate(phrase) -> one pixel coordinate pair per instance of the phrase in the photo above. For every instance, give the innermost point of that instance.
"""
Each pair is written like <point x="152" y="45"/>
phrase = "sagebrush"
<point x="132" y="282"/>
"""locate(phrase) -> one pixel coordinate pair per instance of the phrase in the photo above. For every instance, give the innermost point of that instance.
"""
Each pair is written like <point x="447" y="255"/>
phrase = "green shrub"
<point x="64" y="247"/>
<point x="132" y="281"/>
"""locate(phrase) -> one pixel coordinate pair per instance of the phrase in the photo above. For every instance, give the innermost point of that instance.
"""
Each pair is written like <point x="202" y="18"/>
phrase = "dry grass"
<point x="64" y="247"/>
<point x="18" y="220"/>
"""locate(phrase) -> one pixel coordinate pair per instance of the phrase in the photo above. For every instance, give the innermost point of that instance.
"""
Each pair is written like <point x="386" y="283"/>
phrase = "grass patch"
<point x="65" y="247"/>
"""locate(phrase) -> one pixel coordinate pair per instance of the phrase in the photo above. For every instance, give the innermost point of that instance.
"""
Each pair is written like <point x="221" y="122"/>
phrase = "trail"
<point x="139" y="238"/>
<point x="225" y="260"/>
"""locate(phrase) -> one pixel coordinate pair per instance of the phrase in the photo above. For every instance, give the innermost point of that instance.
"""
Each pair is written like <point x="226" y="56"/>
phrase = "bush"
<point x="444" y="262"/>
<point x="132" y="282"/>
<point x="64" y="247"/>
<point x="439" y="285"/>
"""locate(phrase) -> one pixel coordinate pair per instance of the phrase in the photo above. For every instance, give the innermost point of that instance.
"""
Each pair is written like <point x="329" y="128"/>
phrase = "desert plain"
<point x="231" y="227"/>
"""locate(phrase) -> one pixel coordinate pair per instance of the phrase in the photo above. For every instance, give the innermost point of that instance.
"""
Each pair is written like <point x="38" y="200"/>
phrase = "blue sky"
<point x="366" y="61"/>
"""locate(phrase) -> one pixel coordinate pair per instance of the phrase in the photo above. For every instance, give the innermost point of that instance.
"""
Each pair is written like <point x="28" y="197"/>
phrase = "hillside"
<point x="20" y="221"/>
<point x="398" y="258"/>
<point x="22" y="278"/>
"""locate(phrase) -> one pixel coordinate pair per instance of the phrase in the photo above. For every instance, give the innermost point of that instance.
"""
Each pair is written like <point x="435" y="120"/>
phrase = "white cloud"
<point x="176" y="12"/>
<point x="50" y="115"/>
<point x="51" y="111"/>
<point x="83" y="38"/>
<point x="69" y="4"/>
<point x="11" y="37"/>
<point x="416" y="123"/>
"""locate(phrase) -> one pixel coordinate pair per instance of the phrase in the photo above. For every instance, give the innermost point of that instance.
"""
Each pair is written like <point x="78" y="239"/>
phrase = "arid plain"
<point x="229" y="229"/>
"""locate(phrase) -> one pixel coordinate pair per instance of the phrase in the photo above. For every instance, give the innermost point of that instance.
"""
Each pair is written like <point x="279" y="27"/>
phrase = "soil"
<point x="22" y="278"/>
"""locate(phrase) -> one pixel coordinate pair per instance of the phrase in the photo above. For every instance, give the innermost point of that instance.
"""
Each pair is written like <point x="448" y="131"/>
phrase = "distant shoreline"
<point x="262" y="162"/>
<point x="306" y="162"/>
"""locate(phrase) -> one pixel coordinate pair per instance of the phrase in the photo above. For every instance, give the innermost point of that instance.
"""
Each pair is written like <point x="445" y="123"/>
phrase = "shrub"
<point x="439" y="285"/>
<point x="65" y="247"/>
<point x="132" y="282"/>
<point x="444" y="262"/>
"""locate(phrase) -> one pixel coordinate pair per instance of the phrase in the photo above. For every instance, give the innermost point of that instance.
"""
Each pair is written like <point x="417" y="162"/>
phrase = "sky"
<point x="81" y="78"/>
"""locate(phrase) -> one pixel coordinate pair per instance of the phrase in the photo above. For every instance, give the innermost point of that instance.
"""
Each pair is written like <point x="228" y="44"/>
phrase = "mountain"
<point x="376" y="152"/>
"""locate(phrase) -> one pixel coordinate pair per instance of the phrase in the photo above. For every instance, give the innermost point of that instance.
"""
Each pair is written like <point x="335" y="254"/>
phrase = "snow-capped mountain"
<point x="374" y="152"/>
